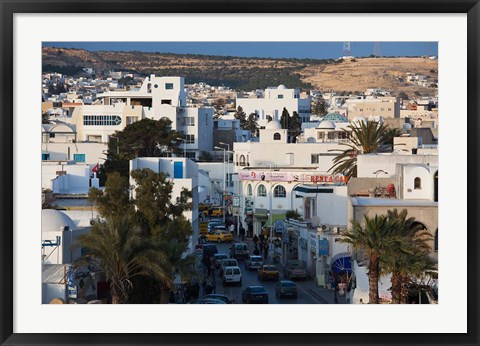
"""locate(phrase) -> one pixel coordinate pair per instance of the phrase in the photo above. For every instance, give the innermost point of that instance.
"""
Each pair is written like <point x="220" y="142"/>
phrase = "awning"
<point x="341" y="263"/>
<point x="305" y="190"/>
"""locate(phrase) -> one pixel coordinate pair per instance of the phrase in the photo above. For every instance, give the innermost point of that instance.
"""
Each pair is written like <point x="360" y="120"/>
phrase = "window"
<point x="242" y="160"/>
<point x="79" y="157"/>
<point x="320" y="135"/>
<point x="51" y="135"/>
<point x="279" y="192"/>
<point x="131" y="120"/>
<point x="45" y="157"/>
<point x="417" y="183"/>
<point x="249" y="190"/>
<point x="343" y="135"/>
<point x="166" y="102"/>
<point x="436" y="241"/>
<point x="189" y="139"/>
<point x="280" y="96"/>
<point x="261" y="191"/>
<point x="155" y="86"/>
<point x="277" y="136"/>
<point x="101" y="120"/>
<point x="169" y="86"/>
<point x="315" y="158"/>
<point x="189" y="121"/>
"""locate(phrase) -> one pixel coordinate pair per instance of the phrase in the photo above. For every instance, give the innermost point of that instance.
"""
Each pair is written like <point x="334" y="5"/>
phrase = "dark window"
<point x="45" y="157"/>
<point x="166" y="102"/>
<point x="51" y="135"/>
<point x="279" y="192"/>
<point x="277" y="136"/>
<point x="417" y="183"/>
<point x="436" y="240"/>
<point x="261" y="191"/>
<point x="242" y="160"/>
<point x="169" y="86"/>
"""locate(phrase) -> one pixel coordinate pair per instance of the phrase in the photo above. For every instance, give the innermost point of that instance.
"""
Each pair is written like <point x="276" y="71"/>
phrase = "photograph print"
<point x="239" y="172"/>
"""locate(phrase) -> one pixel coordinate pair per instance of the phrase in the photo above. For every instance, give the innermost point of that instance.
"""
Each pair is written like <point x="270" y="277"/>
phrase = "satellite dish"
<point x="311" y="140"/>
<point x="324" y="227"/>
<point x="315" y="221"/>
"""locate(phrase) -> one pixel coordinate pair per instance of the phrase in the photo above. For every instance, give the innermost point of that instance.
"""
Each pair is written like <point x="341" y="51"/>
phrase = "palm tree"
<point x="365" y="137"/>
<point x="122" y="253"/>
<point x="409" y="256"/>
<point x="373" y="239"/>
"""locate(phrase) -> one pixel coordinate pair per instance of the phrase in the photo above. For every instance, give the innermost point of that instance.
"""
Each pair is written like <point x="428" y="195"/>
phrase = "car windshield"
<point x="288" y="284"/>
<point x="257" y="289"/>
<point x="229" y="263"/>
<point x="256" y="258"/>
<point x="219" y="257"/>
<point x="236" y="271"/>
<point x="269" y="268"/>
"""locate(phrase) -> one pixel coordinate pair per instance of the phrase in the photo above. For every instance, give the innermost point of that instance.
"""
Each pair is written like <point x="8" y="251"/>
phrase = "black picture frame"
<point x="7" y="175"/>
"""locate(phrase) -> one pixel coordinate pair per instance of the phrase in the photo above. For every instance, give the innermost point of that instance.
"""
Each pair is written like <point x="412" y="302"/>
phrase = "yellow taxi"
<point x="220" y="235"/>
<point x="268" y="271"/>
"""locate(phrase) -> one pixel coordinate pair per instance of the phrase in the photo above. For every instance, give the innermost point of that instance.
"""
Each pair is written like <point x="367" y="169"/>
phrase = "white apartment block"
<point x="273" y="103"/>
<point x="157" y="98"/>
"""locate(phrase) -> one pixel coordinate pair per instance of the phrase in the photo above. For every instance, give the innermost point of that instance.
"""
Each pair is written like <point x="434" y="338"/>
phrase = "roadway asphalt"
<point x="250" y="278"/>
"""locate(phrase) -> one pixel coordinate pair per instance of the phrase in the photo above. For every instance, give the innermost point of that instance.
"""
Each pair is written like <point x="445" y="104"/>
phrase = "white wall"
<point x="76" y="179"/>
<point x="94" y="152"/>
<point x="369" y="163"/>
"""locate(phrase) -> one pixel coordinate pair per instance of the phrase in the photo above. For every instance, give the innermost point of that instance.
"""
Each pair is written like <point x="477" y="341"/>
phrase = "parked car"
<point x="228" y="262"/>
<point x="268" y="271"/>
<point x="218" y="258"/>
<point x="255" y="294"/>
<point x="295" y="269"/>
<point x="212" y="224"/>
<point x="239" y="251"/>
<point x="286" y="288"/>
<point x="221" y="297"/>
<point x="220" y="235"/>
<point x="253" y="262"/>
<point x="232" y="275"/>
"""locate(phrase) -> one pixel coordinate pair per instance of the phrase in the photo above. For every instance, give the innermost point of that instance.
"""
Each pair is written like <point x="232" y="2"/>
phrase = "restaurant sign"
<point x="292" y="177"/>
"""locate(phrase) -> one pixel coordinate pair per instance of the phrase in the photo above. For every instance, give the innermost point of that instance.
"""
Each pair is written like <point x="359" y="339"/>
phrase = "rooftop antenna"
<point x="346" y="48"/>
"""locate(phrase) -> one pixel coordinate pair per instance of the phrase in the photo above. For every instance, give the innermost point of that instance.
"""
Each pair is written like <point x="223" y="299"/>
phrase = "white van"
<point x="232" y="275"/>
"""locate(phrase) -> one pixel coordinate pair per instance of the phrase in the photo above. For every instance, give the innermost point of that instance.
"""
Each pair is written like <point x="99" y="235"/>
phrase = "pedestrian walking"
<point x="265" y="250"/>
<point x="242" y="232"/>
<point x="255" y="240"/>
<point x="256" y="252"/>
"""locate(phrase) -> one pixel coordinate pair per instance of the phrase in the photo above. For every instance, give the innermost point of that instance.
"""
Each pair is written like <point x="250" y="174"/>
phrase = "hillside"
<point x="252" y="73"/>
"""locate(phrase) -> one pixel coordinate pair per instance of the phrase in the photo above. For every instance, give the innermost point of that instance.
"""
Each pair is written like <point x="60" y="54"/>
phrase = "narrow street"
<point x="250" y="278"/>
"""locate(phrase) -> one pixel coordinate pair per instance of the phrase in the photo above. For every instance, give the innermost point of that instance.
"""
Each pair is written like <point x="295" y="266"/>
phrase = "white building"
<point x="158" y="97"/>
<point x="184" y="174"/>
<point x="273" y="103"/>
<point x="59" y="278"/>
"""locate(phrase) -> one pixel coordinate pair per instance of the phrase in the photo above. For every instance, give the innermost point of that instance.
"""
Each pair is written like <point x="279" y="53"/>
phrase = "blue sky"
<point x="317" y="50"/>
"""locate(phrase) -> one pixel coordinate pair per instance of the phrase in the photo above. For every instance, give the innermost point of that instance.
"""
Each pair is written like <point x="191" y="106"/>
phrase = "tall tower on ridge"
<point x="346" y="49"/>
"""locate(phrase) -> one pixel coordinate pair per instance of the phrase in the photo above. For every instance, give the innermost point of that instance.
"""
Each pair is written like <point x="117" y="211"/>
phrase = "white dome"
<point x="273" y="125"/>
<point x="54" y="221"/>
<point x="326" y="125"/>
<point x="359" y="119"/>
<point x="281" y="86"/>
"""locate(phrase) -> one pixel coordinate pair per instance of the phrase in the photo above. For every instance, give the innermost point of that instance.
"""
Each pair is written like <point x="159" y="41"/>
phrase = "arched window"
<point x="279" y="192"/>
<point x="417" y="183"/>
<point x="249" y="190"/>
<point x="436" y="241"/>
<point x="277" y="136"/>
<point x="242" y="160"/>
<point x="261" y="191"/>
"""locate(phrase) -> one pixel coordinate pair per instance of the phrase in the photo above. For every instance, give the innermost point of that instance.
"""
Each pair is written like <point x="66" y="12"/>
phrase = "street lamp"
<point x="184" y="145"/>
<point x="223" y="196"/>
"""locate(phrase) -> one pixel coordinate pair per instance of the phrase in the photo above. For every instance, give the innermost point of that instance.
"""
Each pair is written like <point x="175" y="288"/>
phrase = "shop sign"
<point x="291" y="177"/>
<point x="323" y="247"/>
<point x="236" y="201"/>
